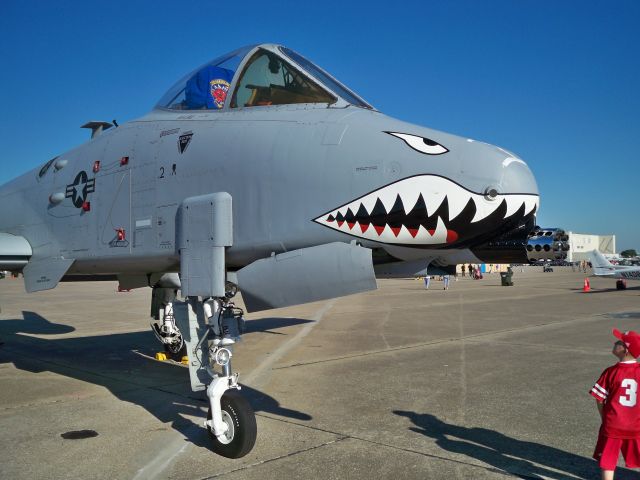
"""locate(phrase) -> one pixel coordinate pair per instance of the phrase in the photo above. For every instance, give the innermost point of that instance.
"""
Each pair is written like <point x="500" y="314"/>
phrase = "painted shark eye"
<point x="421" y="144"/>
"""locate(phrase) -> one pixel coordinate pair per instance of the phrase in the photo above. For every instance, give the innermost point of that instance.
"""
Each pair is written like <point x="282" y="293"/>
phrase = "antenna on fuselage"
<point x="97" y="127"/>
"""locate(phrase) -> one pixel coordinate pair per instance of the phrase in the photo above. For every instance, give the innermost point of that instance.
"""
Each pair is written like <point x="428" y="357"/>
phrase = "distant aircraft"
<point x="261" y="172"/>
<point x="604" y="268"/>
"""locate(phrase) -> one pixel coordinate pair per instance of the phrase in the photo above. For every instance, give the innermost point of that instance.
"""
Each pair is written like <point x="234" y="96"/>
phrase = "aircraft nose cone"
<point x="517" y="177"/>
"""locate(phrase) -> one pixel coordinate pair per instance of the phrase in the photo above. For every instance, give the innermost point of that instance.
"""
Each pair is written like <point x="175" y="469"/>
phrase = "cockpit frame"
<point x="249" y="51"/>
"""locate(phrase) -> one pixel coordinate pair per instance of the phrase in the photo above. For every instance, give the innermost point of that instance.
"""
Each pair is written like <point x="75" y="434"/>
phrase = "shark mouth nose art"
<point x="427" y="210"/>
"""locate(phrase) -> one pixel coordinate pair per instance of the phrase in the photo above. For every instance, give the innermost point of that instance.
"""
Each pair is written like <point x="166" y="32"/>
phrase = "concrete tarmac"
<point x="480" y="381"/>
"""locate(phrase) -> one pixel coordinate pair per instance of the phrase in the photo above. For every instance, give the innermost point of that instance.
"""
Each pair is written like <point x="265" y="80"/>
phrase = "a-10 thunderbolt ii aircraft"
<point x="604" y="268"/>
<point x="259" y="171"/>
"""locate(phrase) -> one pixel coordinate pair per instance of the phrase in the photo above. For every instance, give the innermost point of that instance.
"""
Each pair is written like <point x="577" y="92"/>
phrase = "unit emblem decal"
<point x="218" y="89"/>
<point x="183" y="141"/>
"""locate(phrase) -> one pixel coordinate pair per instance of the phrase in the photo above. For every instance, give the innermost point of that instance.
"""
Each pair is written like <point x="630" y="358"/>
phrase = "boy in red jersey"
<point x="616" y="393"/>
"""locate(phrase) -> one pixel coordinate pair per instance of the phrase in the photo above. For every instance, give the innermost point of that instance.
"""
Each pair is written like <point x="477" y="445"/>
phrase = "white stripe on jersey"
<point x="596" y="392"/>
<point x="601" y="389"/>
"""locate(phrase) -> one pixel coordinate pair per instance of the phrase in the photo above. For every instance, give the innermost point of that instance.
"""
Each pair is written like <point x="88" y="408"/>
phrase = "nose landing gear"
<point x="208" y="321"/>
<point x="211" y="327"/>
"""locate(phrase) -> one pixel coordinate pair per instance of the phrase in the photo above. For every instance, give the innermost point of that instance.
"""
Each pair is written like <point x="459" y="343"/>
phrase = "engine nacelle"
<point x="15" y="252"/>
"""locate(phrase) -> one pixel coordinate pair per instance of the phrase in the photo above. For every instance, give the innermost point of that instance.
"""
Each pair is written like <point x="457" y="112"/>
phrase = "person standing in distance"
<point x="616" y="394"/>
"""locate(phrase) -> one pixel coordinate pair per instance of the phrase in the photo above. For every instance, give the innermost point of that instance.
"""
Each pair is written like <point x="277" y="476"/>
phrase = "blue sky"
<point x="557" y="82"/>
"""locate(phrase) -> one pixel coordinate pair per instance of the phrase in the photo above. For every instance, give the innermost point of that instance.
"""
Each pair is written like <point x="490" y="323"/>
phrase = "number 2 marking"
<point x="161" y="172"/>
<point x="631" y="395"/>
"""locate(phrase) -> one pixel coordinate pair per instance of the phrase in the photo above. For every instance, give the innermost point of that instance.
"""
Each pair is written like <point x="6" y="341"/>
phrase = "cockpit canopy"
<point x="257" y="76"/>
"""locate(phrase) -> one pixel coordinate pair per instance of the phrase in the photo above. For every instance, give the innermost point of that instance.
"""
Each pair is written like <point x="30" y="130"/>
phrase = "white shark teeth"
<point x="456" y="205"/>
<point x="403" y="212"/>
<point x="531" y="203"/>
<point x="484" y="208"/>
<point x="388" y="197"/>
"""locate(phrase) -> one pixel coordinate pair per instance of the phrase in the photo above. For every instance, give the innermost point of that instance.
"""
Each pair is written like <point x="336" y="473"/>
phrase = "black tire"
<point x="621" y="285"/>
<point x="235" y="408"/>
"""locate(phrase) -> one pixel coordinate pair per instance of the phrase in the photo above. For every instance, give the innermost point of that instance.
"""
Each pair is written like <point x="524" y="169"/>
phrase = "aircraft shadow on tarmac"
<point x="267" y="325"/>
<point x="113" y="361"/>
<point x="507" y="455"/>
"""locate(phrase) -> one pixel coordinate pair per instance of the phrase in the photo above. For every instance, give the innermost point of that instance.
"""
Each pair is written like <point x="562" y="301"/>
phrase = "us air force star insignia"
<point x="183" y="141"/>
<point x="81" y="187"/>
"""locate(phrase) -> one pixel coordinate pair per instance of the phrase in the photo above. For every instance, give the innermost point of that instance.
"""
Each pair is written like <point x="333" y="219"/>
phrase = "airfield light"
<point x="86" y="206"/>
<point x="121" y="234"/>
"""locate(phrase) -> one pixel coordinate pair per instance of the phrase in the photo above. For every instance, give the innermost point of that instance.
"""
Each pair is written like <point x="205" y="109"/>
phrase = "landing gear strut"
<point x="210" y="328"/>
<point x="231" y="422"/>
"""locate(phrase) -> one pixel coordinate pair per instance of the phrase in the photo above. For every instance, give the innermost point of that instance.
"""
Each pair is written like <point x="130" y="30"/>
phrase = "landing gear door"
<point x="205" y="228"/>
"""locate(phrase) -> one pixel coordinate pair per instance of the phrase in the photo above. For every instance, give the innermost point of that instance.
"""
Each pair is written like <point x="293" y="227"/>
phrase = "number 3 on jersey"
<point x="631" y="392"/>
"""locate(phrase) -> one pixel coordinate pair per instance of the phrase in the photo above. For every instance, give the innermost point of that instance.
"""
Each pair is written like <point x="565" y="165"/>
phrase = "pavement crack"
<point x="344" y="436"/>
<point x="42" y="404"/>
<point x="279" y="457"/>
<point x="41" y="360"/>
<point x="559" y="348"/>
<point x="437" y="342"/>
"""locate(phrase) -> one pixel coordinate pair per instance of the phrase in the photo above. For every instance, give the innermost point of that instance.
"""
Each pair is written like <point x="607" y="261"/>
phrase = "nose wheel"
<point x="239" y="418"/>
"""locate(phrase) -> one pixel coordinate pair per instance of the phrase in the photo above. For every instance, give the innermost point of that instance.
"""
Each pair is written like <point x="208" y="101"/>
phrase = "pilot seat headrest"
<point x="208" y="88"/>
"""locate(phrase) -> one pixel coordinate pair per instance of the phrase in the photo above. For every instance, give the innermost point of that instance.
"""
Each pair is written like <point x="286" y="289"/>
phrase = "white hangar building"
<point x="580" y="244"/>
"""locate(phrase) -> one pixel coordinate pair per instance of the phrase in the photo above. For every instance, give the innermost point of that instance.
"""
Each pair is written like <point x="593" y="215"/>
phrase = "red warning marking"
<point x="395" y="230"/>
<point x="351" y="224"/>
<point x="413" y="232"/>
<point x="340" y="222"/>
<point x="364" y="227"/>
<point x="452" y="236"/>
<point x="431" y="232"/>
<point x="379" y="229"/>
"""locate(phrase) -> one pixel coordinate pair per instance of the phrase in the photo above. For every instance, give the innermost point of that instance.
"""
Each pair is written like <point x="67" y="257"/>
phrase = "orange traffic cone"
<point x="587" y="286"/>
